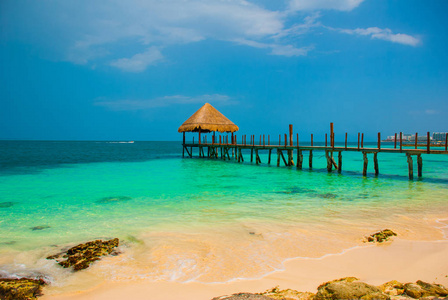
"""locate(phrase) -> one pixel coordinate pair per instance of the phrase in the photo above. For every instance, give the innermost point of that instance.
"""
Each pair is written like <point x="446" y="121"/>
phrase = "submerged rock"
<point x="380" y="236"/>
<point x="327" y="196"/>
<point x="20" y="289"/>
<point x="42" y="227"/>
<point x="348" y="288"/>
<point x="288" y="294"/>
<point x="243" y="296"/>
<point x="106" y="200"/>
<point x="80" y="257"/>
<point x="6" y="204"/>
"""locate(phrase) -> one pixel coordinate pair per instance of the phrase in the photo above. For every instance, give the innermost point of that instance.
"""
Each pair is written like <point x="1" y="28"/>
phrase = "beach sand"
<point x="402" y="260"/>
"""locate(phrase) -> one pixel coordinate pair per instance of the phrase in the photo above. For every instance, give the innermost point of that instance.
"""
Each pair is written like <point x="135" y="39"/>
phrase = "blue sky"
<point x="137" y="69"/>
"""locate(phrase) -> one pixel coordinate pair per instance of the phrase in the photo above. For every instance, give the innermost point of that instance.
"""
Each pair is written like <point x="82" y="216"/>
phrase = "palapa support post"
<point x="340" y="162"/>
<point x="183" y="144"/>
<point x="375" y="163"/>
<point x="410" y="166"/>
<point x="199" y="136"/>
<point x="232" y="139"/>
<point x="299" y="159"/>
<point x="366" y="162"/>
<point x="420" y="165"/>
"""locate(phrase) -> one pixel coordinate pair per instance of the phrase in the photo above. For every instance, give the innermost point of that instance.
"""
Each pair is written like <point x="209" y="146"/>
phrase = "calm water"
<point x="199" y="219"/>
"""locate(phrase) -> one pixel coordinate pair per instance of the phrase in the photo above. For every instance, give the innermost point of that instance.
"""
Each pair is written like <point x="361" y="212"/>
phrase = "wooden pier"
<point x="287" y="150"/>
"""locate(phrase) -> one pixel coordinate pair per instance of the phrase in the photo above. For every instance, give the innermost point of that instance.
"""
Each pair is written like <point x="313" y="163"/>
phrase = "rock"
<point x="81" y="256"/>
<point x="432" y="289"/>
<point x="288" y="294"/>
<point x="6" y="204"/>
<point x="106" y="200"/>
<point x="413" y="290"/>
<point x="42" y="227"/>
<point x="20" y="289"/>
<point x="381" y="236"/>
<point x="243" y="296"/>
<point x="347" y="288"/>
<point x="392" y="288"/>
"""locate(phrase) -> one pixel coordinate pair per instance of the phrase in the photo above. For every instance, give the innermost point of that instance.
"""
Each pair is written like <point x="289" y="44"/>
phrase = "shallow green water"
<point x="184" y="213"/>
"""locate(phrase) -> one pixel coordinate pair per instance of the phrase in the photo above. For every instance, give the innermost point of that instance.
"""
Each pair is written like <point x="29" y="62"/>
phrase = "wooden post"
<point x="362" y="140"/>
<point x="416" y="140"/>
<point x="183" y="145"/>
<point x="420" y="165"/>
<point x="279" y="139"/>
<point x="260" y="140"/>
<point x="263" y="141"/>
<point x="286" y="140"/>
<point x="297" y="140"/>
<point x="375" y="163"/>
<point x="379" y="140"/>
<point x="269" y="139"/>
<point x="256" y="156"/>
<point x="401" y="142"/>
<point x="358" y="140"/>
<point x="346" y="141"/>
<point x="220" y="140"/>
<point x="410" y="166"/>
<point x="331" y="135"/>
<point x="269" y="157"/>
<point x="325" y="140"/>
<point x="311" y="159"/>
<point x="339" y="161"/>
<point x="251" y="154"/>
<point x="199" y="136"/>
<point x="329" y="162"/>
<point x="366" y="162"/>
<point x="278" y="157"/>
<point x="446" y="141"/>
<point x="428" y="143"/>
<point x="299" y="159"/>
<point x="395" y="141"/>
<point x="290" y="135"/>
<point x="232" y="139"/>
<point x="311" y="140"/>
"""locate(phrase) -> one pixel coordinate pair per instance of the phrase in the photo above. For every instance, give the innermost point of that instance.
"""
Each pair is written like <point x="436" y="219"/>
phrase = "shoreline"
<point x="402" y="260"/>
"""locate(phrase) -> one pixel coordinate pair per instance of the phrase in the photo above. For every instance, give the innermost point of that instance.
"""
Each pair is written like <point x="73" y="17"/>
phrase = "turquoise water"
<point x="200" y="219"/>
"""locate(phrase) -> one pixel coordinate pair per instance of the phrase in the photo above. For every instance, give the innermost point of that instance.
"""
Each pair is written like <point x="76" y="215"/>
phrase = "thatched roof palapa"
<point x="208" y="118"/>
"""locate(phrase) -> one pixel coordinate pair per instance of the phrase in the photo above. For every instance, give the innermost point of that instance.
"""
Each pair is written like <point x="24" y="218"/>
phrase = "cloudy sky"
<point x="136" y="69"/>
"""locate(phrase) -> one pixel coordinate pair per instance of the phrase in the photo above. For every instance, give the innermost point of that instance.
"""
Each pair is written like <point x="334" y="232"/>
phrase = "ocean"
<point x="205" y="220"/>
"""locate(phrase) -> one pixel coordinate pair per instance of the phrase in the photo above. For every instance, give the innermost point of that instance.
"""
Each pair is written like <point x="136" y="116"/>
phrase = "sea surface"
<point x="205" y="220"/>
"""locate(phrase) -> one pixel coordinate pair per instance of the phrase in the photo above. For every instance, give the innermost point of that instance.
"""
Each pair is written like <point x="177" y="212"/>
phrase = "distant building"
<point x="439" y="136"/>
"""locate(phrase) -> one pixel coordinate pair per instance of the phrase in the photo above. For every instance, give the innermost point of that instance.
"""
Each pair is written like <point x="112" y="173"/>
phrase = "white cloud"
<point x="139" y="62"/>
<point x="284" y="50"/>
<point x="384" y="34"/>
<point x="127" y="105"/>
<point x="307" y="5"/>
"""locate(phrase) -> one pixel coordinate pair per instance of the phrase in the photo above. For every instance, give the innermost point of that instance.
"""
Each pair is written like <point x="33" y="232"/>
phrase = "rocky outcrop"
<point x="351" y="288"/>
<point x="288" y="294"/>
<point x="243" y="296"/>
<point x="80" y="257"/>
<point x="20" y="289"/>
<point x="348" y="288"/>
<point x="380" y="236"/>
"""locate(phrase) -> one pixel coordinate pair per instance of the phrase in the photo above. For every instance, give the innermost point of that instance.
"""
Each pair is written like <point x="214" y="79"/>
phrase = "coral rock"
<point x="81" y="256"/>
<point x="381" y="236"/>
<point x="347" y="288"/>
<point x="243" y="296"/>
<point x="20" y="289"/>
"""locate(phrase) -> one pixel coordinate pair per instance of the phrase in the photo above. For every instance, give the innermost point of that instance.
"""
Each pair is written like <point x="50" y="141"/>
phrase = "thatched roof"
<point x="208" y="119"/>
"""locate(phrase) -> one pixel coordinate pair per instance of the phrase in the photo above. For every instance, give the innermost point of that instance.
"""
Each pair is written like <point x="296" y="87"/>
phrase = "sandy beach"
<point x="402" y="260"/>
